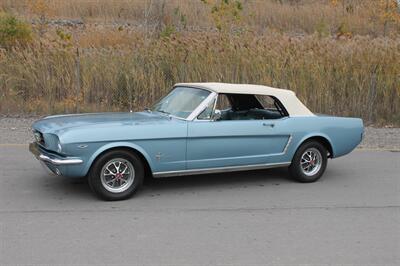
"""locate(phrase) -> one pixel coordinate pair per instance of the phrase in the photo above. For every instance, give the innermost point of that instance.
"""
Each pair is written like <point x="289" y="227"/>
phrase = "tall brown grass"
<point x="337" y="61"/>
<point x="352" y="77"/>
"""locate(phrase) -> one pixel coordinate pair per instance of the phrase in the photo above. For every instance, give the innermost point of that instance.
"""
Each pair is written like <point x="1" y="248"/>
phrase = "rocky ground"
<point x="16" y="130"/>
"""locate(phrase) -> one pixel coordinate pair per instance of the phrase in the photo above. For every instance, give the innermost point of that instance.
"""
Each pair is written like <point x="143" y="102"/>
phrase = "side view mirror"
<point x="217" y="115"/>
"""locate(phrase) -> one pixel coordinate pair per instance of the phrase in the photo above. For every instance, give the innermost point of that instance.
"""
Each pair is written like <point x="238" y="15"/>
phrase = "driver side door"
<point x="224" y="143"/>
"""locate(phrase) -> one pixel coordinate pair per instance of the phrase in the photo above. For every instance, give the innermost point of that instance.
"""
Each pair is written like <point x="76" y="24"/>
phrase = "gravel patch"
<point x="381" y="138"/>
<point x="16" y="130"/>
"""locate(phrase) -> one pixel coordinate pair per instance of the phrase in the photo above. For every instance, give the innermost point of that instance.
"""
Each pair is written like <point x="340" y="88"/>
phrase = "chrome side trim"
<point x="287" y="144"/>
<point x="284" y="149"/>
<point x="219" y="169"/>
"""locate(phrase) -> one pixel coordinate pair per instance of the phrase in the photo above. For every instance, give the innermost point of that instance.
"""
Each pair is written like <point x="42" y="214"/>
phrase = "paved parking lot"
<point x="251" y="218"/>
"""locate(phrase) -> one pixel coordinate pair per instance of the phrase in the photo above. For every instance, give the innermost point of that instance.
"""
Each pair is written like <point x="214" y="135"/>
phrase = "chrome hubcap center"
<point x="117" y="175"/>
<point x="311" y="161"/>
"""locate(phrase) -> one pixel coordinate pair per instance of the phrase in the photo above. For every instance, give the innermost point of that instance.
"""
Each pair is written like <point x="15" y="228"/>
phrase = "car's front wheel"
<point x="309" y="162"/>
<point x="116" y="175"/>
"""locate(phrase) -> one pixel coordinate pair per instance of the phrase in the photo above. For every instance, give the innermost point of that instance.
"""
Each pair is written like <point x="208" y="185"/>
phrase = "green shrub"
<point x="167" y="31"/>
<point x="13" y="31"/>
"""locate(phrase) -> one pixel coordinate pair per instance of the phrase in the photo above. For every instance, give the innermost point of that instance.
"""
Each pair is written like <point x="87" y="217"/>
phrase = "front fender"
<point x="112" y="145"/>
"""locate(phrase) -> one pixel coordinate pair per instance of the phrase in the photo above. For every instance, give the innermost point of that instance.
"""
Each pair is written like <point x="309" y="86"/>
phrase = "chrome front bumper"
<point x="52" y="159"/>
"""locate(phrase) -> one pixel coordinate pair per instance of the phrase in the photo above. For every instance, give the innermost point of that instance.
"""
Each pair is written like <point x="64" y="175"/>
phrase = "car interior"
<point x="249" y="107"/>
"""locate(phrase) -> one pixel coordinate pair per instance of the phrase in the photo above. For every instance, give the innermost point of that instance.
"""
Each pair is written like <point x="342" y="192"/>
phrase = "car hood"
<point x="54" y="124"/>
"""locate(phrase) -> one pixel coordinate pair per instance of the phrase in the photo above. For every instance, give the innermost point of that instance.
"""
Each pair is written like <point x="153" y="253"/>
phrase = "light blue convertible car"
<point x="197" y="128"/>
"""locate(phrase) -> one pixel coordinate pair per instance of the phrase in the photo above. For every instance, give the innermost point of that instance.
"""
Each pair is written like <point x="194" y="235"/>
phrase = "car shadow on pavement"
<point x="65" y="187"/>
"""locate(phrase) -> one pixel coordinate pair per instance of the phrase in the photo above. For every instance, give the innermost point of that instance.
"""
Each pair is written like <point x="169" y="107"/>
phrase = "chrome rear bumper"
<point x="35" y="150"/>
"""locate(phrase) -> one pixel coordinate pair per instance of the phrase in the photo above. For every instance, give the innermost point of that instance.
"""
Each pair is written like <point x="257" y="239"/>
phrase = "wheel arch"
<point x="121" y="146"/>
<point x="323" y="139"/>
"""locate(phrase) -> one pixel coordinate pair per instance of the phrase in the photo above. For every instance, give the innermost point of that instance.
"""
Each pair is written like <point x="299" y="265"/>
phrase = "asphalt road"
<point x="351" y="216"/>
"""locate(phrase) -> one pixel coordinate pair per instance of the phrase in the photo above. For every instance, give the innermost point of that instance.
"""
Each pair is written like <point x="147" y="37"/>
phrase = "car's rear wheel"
<point x="116" y="175"/>
<point x="309" y="162"/>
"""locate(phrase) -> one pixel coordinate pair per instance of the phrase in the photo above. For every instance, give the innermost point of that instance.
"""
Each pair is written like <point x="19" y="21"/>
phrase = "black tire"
<point x="296" y="170"/>
<point x="95" y="175"/>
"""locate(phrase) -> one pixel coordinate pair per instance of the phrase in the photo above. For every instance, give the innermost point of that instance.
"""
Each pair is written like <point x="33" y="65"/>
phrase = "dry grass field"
<point x="341" y="57"/>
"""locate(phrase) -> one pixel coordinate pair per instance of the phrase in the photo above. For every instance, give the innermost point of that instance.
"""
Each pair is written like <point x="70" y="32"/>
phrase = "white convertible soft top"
<point x="287" y="97"/>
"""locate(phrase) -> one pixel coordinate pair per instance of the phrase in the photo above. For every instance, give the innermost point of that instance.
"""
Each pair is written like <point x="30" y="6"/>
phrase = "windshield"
<point x="181" y="101"/>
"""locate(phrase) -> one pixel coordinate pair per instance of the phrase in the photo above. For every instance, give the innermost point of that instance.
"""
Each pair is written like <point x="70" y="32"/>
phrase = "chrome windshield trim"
<point x="171" y="116"/>
<point x="199" y="108"/>
<point x="202" y="106"/>
<point x="220" y="169"/>
<point x="198" y="86"/>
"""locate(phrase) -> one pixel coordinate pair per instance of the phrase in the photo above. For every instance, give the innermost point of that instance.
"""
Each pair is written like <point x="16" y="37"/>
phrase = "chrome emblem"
<point x="158" y="156"/>
<point x="82" y="146"/>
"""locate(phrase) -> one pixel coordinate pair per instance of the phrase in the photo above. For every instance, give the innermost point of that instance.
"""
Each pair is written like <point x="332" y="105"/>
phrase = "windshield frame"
<point x="197" y="110"/>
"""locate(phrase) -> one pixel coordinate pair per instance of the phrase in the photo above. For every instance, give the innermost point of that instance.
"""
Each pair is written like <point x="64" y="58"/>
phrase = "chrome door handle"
<point x="268" y="125"/>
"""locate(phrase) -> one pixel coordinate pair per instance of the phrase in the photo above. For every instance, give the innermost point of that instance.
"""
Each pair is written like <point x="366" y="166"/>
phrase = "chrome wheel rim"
<point x="311" y="162"/>
<point x="117" y="175"/>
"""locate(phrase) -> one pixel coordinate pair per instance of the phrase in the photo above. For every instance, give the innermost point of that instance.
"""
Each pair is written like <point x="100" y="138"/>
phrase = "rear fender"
<point x="314" y="135"/>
